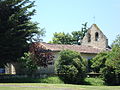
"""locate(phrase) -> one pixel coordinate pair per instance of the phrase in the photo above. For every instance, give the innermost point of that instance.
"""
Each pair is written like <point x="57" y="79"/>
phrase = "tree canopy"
<point x="70" y="67"/>
<point x="116" y="42"/>
<point x="74" y="38"/>
<point x="16" y="28"/>
<point x="98" y="62"/>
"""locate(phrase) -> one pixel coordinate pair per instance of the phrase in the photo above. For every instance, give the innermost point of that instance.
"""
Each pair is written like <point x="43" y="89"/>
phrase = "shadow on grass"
<point x="53" y="80"/>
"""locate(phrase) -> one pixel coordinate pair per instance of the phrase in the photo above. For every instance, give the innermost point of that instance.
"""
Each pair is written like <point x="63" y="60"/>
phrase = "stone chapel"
<point x="93" y="43"/>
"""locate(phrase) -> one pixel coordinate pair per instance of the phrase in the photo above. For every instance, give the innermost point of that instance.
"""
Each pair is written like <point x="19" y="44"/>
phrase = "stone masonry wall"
<point x="102" y="42"/>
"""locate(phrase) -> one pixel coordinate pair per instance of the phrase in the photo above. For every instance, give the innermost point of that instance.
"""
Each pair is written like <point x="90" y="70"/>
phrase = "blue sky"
<point x="68" y="15"/>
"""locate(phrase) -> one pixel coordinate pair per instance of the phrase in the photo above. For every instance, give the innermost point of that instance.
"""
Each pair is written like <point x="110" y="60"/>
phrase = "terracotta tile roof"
<point x="78" y="48"/>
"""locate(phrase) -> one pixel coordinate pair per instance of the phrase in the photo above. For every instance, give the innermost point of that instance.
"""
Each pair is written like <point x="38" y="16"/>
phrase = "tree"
<point x="111" y="71"/>
<point x="108" y="63"/>
<point x="116" y="42"/>
<point x="16" y="28"/>
<point x="40" y="55"/>
<point x="28" y="64"/>
<point x="74" y="38"/>
<point x="62" y="38"/>
<point x="98" y="62"/>
<point x="70" y="67"/>
<point x="84" y="30"/>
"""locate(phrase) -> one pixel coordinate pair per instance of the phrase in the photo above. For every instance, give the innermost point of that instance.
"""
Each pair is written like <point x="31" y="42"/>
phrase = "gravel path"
<point x="36" y="87"/>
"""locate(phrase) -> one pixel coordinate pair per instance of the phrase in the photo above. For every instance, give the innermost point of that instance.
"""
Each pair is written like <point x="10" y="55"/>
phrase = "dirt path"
<point x="36" y="87"/>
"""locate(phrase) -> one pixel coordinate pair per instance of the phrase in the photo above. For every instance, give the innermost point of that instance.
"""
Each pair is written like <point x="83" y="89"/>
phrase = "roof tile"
<point x="78" y="48"/>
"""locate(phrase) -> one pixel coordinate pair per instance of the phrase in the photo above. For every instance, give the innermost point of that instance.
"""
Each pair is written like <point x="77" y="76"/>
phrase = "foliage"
<point x="109" y="65"/>
<point x="98" y="62"/>
<point x="95" y="81"/>
<point x="73" y="38"/>
<point x="70" y="67"/>
<point x="16" y="28"/>
<point x="50" y="80"/>
<point x="40" y="55"/>
<point x="62" y="38"/>
<point x="111" y="71"/>
<point x="76" y="37"/>
<point x="116" y="42"/>
<point x="28" y="63"/>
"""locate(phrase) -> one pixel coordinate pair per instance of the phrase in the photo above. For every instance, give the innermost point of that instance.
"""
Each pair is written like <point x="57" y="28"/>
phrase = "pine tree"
<point x="16" y="28"/>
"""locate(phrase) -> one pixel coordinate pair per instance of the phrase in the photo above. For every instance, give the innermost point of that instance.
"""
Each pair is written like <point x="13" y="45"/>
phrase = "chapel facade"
<point x="95" y="38"/>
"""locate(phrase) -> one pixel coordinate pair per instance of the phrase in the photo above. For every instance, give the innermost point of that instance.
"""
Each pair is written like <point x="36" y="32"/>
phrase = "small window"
<point x="96" y="36"/>
<point x="89" y="37"/>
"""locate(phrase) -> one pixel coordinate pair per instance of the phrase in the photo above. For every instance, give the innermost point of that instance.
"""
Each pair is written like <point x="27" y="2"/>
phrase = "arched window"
<point x="96" y="36"/>
<point x="89" y="37"/>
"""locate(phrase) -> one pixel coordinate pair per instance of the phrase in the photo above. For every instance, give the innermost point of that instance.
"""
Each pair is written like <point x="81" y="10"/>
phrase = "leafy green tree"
<point x="70" y="67"/>
<point x="98" y="62"/>
<point x="74" y="38"/>
<point x="111" y="71"/>
<point x="16" y="28"/>
<point x="38" y="56"/>
<point x="61" y="38"/>
<point x="28" y="64"/>
<point x="108" y="63"/>
<point x="116" y="42"/>
<point x="84" y="30"/>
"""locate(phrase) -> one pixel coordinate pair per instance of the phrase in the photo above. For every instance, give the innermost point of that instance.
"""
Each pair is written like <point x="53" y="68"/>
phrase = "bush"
<point x="98" y="62"/>
<point x="94" y="81"/>
<point x="51" y="80"/>
<point x="28" y="64"/>
<point x="109" y="65"/>
<point x="70" y="67"/>
<point x="111" y="72"/>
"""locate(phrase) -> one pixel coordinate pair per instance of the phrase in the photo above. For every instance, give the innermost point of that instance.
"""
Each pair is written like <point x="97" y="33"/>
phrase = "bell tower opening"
<point x="96" y="36"/>
<point x="89" y="37"/>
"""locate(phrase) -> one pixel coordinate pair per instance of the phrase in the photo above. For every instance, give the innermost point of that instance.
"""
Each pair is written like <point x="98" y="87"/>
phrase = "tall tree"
<point x="61" y="38"/>
<point x="16" y="28"/>
<point x="116" y="42"/>
<point x="74" y="38"/>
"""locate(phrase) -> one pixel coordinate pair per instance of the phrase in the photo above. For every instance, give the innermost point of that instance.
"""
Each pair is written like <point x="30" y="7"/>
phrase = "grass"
<point x="94" y="81"/>
<point x="52" y="80"/>
<point x="55" y="87"/>
<point x="54" y="83"/>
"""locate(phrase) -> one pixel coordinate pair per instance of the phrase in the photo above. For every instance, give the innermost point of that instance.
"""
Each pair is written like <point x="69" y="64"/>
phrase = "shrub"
<point x="50" y="80"/>
<point x="94" y="81"/>
<point x="111" y="72"/>
<point x="109" y="65"/>
<point x="98" y="62"/>
<point x="70" y="67"/>
<point x="27" y="63"/>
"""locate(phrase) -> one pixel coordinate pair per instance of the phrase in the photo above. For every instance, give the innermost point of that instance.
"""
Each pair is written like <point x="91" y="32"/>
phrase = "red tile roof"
<point x="78" y="48"/>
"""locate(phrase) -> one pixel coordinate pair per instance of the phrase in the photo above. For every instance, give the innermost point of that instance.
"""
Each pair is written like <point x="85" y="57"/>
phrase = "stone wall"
<point x="101" y="42"/>
<point x="50" y="69"/>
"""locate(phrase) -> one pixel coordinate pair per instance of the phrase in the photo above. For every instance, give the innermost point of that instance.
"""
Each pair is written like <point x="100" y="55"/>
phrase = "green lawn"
<point x="41" y="86"/>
